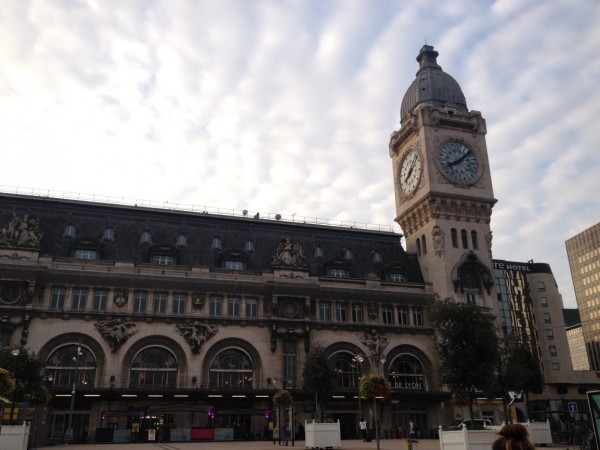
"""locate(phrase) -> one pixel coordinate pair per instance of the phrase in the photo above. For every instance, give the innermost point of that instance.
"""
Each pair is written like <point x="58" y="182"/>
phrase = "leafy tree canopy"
<point x="26" y="369"/>
<point x="521" y="370"/>
<point x="468" y="347"/>
<point x="318" y="374"/>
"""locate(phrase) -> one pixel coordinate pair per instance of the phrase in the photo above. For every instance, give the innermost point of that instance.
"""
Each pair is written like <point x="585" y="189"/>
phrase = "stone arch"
<point x="77" y="339"/>
<point x="417" y="353"/>
<point x="240" y="344"/>
<point x="155" y="341"/>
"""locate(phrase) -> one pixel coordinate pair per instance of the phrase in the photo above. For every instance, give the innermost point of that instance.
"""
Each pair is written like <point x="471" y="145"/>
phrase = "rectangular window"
<point x="547" y="318"/>
<point x="139" y="302"/>
<point x="57" y="300"/>
<point x="555" y="366"/>
<point x="179" y="304"/>
<point x="325" y="311"/>
<point x="552" y="350"/>
<point x="100" y="299"/>
<point x="544" y="302"/>
<point x="340" y="312"/>
<point x="541" y="286"/>
<point x="160" y="302"/>
<point x="215" y="305"/>
<point x="417" y="313"/>
<point x="235" y="265"/>
<point x="550" y="333"/>
<point x="79" y="299"/>
<point x="337" y="273"/>
<point x="233" y="306"/>
<point x="251" y="307"/>
<point x="289" y="364"/>
<point x="387" y="312"/>
<point x="403" y="315"/>
<point x="357" y="313"/>
<point x="163" y="260"/>
<point x="396" y="277"/>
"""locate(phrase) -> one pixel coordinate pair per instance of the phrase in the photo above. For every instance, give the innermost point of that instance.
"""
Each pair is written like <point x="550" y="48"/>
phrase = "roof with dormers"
<point x="432" y="85"/>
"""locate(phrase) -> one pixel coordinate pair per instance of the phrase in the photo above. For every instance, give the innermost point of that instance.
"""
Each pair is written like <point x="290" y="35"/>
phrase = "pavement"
<point x="384" y="444"/>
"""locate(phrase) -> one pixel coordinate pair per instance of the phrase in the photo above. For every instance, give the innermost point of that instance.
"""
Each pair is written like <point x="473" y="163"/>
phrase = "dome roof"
<point x="432" y="85"/>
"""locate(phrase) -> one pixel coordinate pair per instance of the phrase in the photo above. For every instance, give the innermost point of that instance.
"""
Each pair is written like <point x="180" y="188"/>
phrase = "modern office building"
<point x="583" y="251"/>
<point x="187" y="321"/>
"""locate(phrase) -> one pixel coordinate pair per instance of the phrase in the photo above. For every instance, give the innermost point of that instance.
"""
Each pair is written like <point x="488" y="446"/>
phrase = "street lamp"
<point x="14" y="353"/>
<point x="358" y="359"/>
<point x="69" y="432"/>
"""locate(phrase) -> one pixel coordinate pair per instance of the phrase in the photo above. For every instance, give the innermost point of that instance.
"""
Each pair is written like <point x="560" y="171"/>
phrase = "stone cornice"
<point x="445" y="207"/>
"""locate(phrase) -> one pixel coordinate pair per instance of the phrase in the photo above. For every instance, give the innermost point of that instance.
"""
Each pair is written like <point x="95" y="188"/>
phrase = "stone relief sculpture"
<point x="23" y="232"/>
<point x="288" y="254"/>
<point x="372" y="311"/>
<point x="196" y="333"/>
<point x="116" y="332"/>
<point x="438" y="240"/>
<point x="197" y="300"/>
<point x="375" y="343"/>
<point x="121" y="297"/>
<point x="488" y="241"/>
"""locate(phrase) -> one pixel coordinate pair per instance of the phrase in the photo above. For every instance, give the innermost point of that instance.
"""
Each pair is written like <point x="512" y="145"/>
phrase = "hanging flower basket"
<point x="282" y="398"/>
<point x="7" y="382"/>
<point x="372" y="386"/>
<point x="38" y="395"/>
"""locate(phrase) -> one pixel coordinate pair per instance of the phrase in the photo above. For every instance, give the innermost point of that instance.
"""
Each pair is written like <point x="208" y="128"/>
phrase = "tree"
<point x="318" y="376"/>
<point x="26" y="369"/>
<point x="468" y="348"/>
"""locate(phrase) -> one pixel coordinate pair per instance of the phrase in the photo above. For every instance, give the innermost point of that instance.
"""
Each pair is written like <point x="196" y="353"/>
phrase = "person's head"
<point x="513" y="436"/>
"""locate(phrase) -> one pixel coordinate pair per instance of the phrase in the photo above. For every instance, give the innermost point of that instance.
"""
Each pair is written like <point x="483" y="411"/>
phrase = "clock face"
<point x="410" y="172"/>
<point x="458" y="162"/>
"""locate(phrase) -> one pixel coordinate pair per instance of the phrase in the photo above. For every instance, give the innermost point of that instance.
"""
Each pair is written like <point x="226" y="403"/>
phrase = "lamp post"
<point x="358" y="359"/>
<point x="69" y="432"/>
<point x="14" y="353"/>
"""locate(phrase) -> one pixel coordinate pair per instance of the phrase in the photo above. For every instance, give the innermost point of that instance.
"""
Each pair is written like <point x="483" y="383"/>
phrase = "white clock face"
<point x="410" y="172"/>
<point x="458" y="162"/>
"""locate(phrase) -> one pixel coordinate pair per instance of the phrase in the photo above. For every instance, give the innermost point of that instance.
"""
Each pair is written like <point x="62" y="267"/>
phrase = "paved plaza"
<point x="387" y="444"/>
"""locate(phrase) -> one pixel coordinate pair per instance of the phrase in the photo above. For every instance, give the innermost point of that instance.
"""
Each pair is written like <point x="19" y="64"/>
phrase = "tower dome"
<point x="432" y="85"/>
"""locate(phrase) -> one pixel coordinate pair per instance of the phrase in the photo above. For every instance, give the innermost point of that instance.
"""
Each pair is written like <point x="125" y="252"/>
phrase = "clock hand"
<point x="409" y="172"/>
<point x="459" y="160"/>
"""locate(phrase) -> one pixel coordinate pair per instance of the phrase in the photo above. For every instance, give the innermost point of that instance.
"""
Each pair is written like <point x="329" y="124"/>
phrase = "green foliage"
<point x="7" y="382"/>
<point x="282" y="398"/>
<point x="468" y="347"/>
<point x="26" y="369"/>
<point x="372" y="386"/>
<point x="521" y="370"/>
<point x="318" y="374"/>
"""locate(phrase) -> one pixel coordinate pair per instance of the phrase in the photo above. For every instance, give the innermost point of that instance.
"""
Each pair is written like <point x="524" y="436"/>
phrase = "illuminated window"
<point x="153" y="367"/>
<point x="231" y="369"/>
<point x="61" y="365"/>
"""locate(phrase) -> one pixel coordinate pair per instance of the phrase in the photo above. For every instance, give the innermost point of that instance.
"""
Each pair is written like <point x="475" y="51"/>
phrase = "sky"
<point x="287" y="106"/>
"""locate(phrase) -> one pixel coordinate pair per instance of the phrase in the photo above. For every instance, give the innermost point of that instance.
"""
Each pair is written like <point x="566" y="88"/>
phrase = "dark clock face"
<point x="10" y="294"/>
<point x="458" y="162"/>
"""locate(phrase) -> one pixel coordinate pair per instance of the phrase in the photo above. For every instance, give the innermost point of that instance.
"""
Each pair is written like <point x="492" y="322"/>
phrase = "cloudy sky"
<point x="287" y="106"/>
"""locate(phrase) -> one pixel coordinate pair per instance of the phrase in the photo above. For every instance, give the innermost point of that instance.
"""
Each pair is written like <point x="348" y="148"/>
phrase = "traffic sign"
<point x="572" y="406"/>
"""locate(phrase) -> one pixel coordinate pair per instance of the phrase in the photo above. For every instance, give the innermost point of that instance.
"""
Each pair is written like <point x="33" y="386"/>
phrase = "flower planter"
<point x="467" y="439"/>
<point x="322" y="435"/>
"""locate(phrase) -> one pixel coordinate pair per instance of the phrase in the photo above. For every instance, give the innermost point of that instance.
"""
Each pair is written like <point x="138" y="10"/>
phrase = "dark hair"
<point x="513" y="437"/>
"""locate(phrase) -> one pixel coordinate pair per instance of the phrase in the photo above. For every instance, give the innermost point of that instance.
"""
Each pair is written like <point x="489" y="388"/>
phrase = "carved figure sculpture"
<point x="23" y="232"/>
<point x="116" y="332"/>
<point x="438" y="240"/>
<point x="196" y="333"/>
<point x="288" y="254"/>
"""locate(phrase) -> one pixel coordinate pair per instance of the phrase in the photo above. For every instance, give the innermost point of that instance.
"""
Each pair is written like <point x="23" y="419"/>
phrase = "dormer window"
<point x="69" y="230"/>
<point x="234" y="265"/>
<point x="376" y="257"/>
<point x="86" y="254"/>
<point x="108" y="234"/>
<point x="348" y="255"/>
<point x="216" y="244"/>
<point x="318" y="252"/>
<point x="338" y="272"/>
<point x="163" y="260"/>
<point x="395" y="277"/>
<point x="249" y="246"/>
<point x="145" y="237"/>
<point x="182" y="240"/>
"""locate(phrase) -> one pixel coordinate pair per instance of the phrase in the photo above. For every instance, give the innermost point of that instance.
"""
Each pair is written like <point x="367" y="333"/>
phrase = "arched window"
<point x="376" y="257"/>
<point x="215" y="243"/>
<point x="406" y="373"/>
<point x="71" y="363"/>
<point x="348" y="254"/>
<point x="474" y="242"/>
<point x="424" y="243"/>
<point x="418" y="247"/>
<point x="69" y="230"/>
<point x="347" y="371"/>
<point x="145" y="237"/>
<point x="182" y="240"/>
<point x="249" y="246"/>
<point x="231" y="369"/>
<point x="463" y="236"/>
<point x="153" y="367"/>
<point x="454" y="235"/>
<point x="318" y="252"/>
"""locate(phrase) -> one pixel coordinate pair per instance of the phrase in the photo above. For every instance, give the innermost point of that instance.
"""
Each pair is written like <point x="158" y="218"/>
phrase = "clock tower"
<point x="443" y="186"/>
